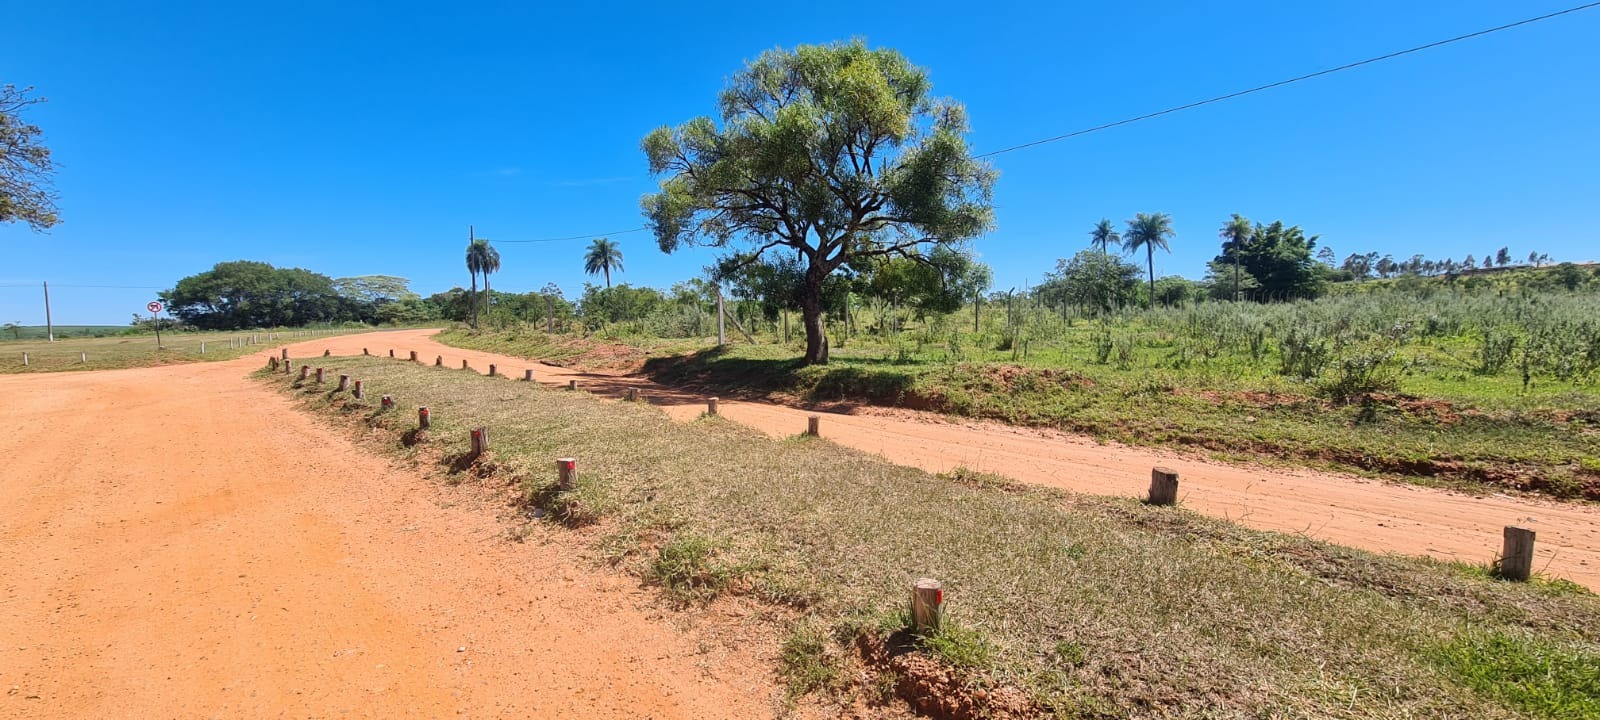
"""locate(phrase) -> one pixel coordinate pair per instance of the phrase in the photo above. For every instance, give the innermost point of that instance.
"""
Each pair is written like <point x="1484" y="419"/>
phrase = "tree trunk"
<point x="607" y="268"/>
<point x="488" y="296"/>
<point x="811" y="314"/>
<point x="474" y="301"/>
<point x="1150" y="256"/>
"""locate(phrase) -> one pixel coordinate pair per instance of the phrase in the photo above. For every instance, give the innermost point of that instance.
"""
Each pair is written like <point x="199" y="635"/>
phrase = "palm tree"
<point x="1235" y="233"/>
<point x="1104" y="235"/>
<point x="603" y="257"/>
<point x="1149" y="231"/>
<point x="481" y="258"/>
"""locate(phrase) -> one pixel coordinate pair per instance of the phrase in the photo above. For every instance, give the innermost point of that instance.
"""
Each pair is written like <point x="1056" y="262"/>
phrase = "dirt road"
<point x="1349" y="510"/>
<point x="178" y="542"/>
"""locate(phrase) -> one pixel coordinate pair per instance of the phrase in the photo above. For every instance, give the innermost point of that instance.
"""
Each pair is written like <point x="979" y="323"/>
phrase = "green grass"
<point x="1541" y="679"/>
<point x="1091" y="606"/>
<point x="127" y="351"/>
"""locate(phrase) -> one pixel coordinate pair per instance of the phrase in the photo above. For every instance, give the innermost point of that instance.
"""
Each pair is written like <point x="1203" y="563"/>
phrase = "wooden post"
<point x="319" y="376"/>
<point x="388" y="403"/>
<point x="413" y="356"/>
<point x="326" y="353"/>
<point x="491" y="369"/>
<point x="423" y="421"/>
<point x="711" y="406"/>
<point x="364" y="352"/>
<point x="357" y="390"/>
<point x="287" y="367"/>
<point x="927" y="604"/>
<point x="438" y="361"/>
<point x="814" y="425"/>
<point x="304" y="370"/>
<point x="480" y="441"/>
<point x="83" y="357"/>
<point x="1163" y="487"/>
<point x="572" y="384"/>
<point x="24" y="359"/>
<point x="272" y="363"/>
<point x="391" y="352"/>
<point x="202" y="347"/>
<point x="633" y="394"/>
<point x="527" y="375"/>
<point x="566" y="472"/>
<point x="344" y="383"/>
<point x="722" y="333"/>
<point x="1516" y="558"/>
<point x="463" y="363"/>
<point x="286" y="353"/>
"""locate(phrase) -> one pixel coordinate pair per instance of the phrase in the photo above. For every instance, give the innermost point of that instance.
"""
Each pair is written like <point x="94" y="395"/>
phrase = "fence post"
<point x="202" y="347"/>
<point x="391" y="352"/>
<point x="463" y="363"/>
<point x="527" y="375"/>
<point x="344" y="383"/>
<point x="319" y="376"/>
<point x="480" y="442"/>
<point x="24" y="359"/>
<point x="438" y="361"/>
<point x="927" y="604"/>
<point x="491" y="369"/>
<point x="357" y="390"/>
<point x="286" y="353"/>
<point x="413" y="356"/>
<point x="1163" y="486"/>
<point x="326" y="353"/>
<point x="83" y="357"/>
<point x="711" y="406"/>
<point x="572" y="384"/>
<point x="423" y="421"/>
<point x="304" y="370"/>
<point x="814" y="425"/>
<point x="633" y="394"/>
<point x="364" y="352"/>
<point x="566" y="472"/>
<point x="1516" y="558"/>
<point x="388" y="403"/>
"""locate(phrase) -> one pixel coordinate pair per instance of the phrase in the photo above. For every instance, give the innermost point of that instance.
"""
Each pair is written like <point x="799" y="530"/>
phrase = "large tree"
<point x="1104" y="235"/>
<point x="838" y="152"/>
<point x="603" y="256"/>
<point x="247" y="294"/>
<point x="25" y="168"/>
<point x="1282" y="259"/>
<point x="1149" y="231"/>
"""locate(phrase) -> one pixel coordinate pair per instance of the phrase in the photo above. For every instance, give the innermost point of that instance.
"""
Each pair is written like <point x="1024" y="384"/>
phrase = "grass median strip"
<point x="1076" y="606"/>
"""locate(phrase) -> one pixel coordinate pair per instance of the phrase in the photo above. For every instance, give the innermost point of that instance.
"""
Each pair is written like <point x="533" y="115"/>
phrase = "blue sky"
<point x="363" y="138"/>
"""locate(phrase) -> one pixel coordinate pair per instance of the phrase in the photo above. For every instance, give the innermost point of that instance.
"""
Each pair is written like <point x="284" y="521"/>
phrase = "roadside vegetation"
<point x="1480" y="381"/>
<point x="131" y="348"/>
<point x="1062" y="605"/>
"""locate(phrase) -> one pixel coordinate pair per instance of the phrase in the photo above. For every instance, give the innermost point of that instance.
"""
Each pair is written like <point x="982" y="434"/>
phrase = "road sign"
<point x="154" y="307"/>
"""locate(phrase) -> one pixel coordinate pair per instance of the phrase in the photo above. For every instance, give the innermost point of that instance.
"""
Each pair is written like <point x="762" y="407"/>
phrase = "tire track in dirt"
<point x="181" y="542"/>
<point x="1344" y="509"/>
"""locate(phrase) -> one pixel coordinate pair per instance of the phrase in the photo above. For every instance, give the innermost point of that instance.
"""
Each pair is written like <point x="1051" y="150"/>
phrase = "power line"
<point x="1281" y="83"/>
<point x="98" y="287"/>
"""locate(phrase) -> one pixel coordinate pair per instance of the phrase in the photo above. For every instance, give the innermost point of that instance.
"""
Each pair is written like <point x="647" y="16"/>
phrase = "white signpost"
<point x="155" y="314"/>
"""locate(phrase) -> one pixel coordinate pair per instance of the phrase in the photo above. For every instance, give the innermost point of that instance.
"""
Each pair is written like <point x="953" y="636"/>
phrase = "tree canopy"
<point x="1280" y="259"/>
<point x="248" y="294"/>
<point x="26" y="193"/>
<point x="838" y="152"/>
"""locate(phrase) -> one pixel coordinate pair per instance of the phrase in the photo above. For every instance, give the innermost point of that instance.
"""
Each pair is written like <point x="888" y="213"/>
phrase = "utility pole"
<point x="49" y="328"/>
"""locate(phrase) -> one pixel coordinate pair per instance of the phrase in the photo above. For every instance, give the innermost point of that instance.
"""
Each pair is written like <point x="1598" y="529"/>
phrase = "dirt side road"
<point x="177" y="542"/>
<point x="1348" y="510"/>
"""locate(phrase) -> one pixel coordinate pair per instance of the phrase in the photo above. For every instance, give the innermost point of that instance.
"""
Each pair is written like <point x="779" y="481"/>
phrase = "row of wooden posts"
<point x="927" y="594"/>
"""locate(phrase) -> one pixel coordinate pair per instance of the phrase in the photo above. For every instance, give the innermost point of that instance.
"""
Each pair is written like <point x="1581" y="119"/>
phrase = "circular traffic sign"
<point x="153" y="307"/>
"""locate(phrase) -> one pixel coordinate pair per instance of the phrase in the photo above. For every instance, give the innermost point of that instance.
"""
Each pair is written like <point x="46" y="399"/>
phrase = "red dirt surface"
<point x="1344" y="509"/>
<point x="180" y="542"/>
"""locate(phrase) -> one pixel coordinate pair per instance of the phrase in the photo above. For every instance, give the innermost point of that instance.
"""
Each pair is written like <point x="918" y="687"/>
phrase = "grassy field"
<point x="125" y="351"/>
<point x="1058" y="605"/>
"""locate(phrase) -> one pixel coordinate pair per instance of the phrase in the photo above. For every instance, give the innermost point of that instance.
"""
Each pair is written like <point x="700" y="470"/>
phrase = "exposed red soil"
<point x="180" y="542"/>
